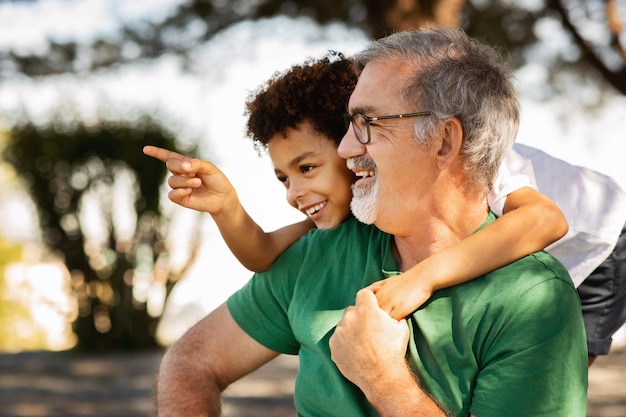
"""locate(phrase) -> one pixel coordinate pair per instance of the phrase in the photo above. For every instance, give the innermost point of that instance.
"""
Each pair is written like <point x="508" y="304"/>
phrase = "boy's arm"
<point x="201" y="186"/>
<point x="255" y="249"/>
<point x="531" y="221"/>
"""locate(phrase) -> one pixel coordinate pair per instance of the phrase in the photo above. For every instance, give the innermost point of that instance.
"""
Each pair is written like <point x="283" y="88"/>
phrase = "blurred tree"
<point x="595" y="28"/>
<point x="98" y="202"/>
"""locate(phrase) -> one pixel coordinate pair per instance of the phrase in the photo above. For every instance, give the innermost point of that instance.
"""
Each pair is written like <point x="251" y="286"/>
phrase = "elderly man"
<point x="432" y="115"/>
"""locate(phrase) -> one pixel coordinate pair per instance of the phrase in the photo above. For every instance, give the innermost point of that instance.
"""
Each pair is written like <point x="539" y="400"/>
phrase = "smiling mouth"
<point x="364" y="174"/>
<point x="314" y="209"/>
<point x="362" y="167"/>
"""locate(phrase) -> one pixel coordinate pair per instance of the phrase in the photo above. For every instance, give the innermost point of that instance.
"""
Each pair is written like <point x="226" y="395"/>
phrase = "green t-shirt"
<point x="509" y="343"/>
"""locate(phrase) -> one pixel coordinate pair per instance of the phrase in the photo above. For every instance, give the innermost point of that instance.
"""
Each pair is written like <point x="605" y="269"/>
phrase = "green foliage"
<point x="73" y="169"/>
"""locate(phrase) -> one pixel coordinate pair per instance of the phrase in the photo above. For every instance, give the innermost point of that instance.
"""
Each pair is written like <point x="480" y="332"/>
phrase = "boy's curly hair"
<point x="316" y="92"/>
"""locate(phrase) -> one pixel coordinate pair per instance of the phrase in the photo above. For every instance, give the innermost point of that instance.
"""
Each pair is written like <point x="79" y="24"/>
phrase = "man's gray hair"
<point x="453" y="75"/>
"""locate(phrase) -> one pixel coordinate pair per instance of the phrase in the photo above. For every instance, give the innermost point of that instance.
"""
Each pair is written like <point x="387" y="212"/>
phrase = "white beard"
<point x="363" y="204"/>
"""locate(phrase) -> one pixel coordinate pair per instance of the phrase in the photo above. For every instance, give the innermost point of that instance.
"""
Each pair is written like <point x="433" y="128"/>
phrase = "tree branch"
<point x="616" y="79"/>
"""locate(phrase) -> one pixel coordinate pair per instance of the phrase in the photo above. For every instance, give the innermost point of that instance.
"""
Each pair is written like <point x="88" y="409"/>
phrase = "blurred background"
<point x="93" y="256"/>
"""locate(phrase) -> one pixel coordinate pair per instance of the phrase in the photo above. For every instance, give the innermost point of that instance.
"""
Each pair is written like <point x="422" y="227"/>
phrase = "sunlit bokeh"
<point x="44" y="307"/>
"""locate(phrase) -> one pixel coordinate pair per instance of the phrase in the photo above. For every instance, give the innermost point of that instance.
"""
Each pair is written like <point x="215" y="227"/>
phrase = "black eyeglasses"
<point x="361" y="123"/>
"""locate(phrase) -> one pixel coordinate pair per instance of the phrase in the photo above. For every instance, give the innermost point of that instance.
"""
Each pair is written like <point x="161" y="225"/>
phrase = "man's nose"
<point x="350" y="146"/>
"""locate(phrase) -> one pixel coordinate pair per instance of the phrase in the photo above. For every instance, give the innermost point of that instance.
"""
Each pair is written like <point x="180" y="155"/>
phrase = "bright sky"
<point x="209" y="101"/>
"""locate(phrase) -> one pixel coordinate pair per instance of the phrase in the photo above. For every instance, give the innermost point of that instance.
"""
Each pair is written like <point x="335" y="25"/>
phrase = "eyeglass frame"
<point x="350" y="120"/>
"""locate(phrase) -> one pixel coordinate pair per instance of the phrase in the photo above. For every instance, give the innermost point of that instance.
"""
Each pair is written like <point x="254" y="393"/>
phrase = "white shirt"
<point x="593" y="204"/>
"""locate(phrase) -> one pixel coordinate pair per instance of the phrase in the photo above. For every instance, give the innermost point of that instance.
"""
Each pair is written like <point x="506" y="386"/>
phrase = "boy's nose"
<point x="295" y="191"/>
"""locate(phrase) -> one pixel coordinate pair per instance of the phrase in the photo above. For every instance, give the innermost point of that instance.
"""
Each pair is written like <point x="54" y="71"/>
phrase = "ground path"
<point x="47" y="384"/>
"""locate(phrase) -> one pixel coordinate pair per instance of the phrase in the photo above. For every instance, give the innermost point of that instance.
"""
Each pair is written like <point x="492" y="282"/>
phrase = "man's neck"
<point x="438" y="234"/>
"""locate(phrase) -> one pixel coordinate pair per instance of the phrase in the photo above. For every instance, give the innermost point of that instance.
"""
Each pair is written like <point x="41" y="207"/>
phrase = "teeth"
<point x="364" y="174"/>
<point x="315" y="208"/>
<point x="361" y="166"/>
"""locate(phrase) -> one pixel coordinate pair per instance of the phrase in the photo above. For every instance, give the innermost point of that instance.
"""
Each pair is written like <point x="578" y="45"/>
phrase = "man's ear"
<point x="451" y="142"/>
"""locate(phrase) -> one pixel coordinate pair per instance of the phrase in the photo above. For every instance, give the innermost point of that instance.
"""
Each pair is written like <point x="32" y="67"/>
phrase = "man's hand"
<point x="369" y="349"/>
<point x="367" y="342"/>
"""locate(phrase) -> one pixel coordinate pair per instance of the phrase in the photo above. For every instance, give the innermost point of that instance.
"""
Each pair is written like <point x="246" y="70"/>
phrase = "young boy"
<point x="594" y="248"/>
<point x="304" y="104"/>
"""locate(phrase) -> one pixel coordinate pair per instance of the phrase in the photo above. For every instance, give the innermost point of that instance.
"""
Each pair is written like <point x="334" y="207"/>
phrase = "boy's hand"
<point x="195" y="183"/>
<point x="401" y="295"/>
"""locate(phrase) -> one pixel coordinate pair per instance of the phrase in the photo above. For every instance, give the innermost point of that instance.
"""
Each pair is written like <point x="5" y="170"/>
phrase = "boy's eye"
<point x="306" y="168"/>
<point x="282" y="178"/>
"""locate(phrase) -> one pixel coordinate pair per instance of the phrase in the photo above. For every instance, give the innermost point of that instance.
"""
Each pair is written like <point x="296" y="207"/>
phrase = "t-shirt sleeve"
<point x="524" y="370"/>
<point x="261" y="306"/>
<point x="515" y="172"/>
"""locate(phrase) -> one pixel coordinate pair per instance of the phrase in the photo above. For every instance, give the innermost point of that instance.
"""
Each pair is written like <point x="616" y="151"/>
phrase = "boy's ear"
<point x="451" y="142"/>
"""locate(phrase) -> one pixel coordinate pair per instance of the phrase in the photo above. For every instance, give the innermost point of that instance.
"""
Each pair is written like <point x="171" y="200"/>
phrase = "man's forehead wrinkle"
<point x="361" y="101"/>
<point x="400" y="69"/>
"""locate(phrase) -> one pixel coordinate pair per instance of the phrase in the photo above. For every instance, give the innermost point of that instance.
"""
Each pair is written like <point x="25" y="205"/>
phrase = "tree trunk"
<point x="396" y="16"/>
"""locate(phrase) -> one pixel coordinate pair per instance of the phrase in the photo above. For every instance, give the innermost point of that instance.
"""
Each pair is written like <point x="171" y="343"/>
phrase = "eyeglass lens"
<point x="361" y="128"/>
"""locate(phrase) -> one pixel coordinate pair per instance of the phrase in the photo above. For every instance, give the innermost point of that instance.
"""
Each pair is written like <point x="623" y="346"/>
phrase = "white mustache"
<point x="360" y="162"/>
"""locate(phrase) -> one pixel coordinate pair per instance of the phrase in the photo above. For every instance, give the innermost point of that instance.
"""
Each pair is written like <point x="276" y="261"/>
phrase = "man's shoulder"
<point x="349" y="237"/>
<point x="538" y="267"/>
<point x="529" y="274"/>
<point x="351" y="230"/>
<point x="539" y="277"/>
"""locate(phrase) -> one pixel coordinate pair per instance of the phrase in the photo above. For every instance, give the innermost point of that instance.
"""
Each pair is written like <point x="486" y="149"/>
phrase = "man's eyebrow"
<point x="364" y="110"/>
